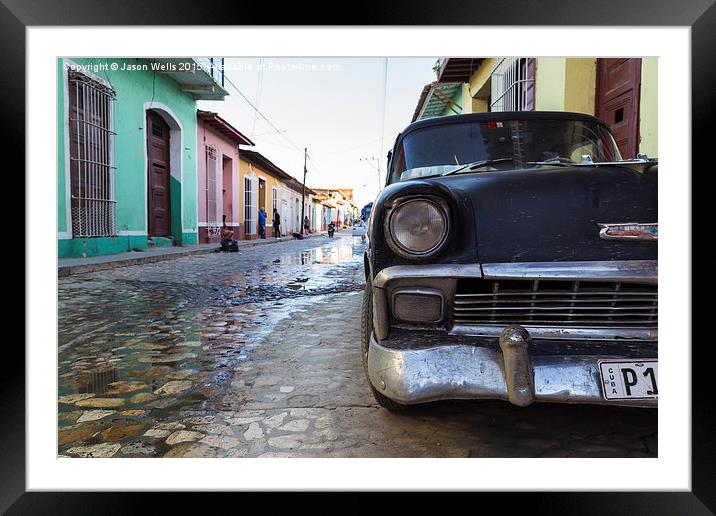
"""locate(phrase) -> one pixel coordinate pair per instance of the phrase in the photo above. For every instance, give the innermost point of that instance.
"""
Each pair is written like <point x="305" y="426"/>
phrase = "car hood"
<point x="552" y="214"/>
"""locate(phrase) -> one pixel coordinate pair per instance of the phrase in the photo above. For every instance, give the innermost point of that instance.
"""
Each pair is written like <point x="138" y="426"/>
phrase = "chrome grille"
<point x="558" y="303"/>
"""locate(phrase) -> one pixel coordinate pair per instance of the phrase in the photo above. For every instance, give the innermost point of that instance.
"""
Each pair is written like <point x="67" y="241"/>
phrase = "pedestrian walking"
<point x="276" y="223"/>
<point x="306" y="224"/>
<point x="262" y="223"/>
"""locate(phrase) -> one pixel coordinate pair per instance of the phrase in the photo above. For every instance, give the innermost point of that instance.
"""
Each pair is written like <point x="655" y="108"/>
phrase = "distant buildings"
<point x="338" y="204"/>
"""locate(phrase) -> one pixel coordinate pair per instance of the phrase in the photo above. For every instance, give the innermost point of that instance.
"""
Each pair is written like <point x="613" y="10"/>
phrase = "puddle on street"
<point x="139" y="346"/>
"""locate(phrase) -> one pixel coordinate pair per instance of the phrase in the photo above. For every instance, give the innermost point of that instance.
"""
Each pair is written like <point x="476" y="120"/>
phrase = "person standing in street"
<point x="276" y="224"/>
<point x="307" y="224"/>
<point x="262" y="223"/>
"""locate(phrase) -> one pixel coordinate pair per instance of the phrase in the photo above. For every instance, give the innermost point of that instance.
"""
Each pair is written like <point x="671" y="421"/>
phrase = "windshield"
<point x="439" y="149"/>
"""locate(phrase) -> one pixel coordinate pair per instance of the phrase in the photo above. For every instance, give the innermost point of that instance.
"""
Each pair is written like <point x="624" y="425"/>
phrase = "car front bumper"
<point x="409" y="371"/>
<point x="514" y="363"/>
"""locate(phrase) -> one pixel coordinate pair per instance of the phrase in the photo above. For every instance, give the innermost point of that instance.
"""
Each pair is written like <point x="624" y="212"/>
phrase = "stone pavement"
<point x="67" y="266"/>
<point x="258" y="355"/>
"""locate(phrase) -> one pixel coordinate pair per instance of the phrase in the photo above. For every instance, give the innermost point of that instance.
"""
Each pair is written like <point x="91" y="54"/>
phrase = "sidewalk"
<point x="68" y="266"/>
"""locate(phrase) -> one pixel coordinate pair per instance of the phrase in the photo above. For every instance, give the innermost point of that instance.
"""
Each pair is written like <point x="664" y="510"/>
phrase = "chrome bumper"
<point x="507" y="372"/>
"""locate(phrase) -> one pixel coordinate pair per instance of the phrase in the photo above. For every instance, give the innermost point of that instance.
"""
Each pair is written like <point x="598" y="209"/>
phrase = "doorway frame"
<point x="637" y="96"/>
<point x="176" y="166"/>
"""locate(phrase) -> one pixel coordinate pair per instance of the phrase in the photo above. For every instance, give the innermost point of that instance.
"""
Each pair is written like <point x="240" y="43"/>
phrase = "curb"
<point x="67" y="270"/>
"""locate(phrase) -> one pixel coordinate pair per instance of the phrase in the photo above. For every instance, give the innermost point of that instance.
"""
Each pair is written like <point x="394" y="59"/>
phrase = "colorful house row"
<point x="620" y="91"/>
<point x="127" y="153"/>
<point x="236" y="183"/>
<point x="140" y="166"/>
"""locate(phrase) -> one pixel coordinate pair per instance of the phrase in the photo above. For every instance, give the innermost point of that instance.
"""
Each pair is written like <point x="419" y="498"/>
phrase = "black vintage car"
<point x="512" y="256"/>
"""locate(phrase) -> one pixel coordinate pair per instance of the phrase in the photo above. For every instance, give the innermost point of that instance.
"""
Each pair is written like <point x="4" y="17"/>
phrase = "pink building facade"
<point x="218" y="176"/>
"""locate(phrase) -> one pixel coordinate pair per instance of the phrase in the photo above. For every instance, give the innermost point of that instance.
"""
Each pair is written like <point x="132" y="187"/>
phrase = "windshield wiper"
<point x="476" y="164"/>
<point x="557" y="161"/>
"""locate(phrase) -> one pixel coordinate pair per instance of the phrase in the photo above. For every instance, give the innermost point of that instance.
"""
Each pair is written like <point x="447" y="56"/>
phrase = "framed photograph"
<point x="434" y="238"/>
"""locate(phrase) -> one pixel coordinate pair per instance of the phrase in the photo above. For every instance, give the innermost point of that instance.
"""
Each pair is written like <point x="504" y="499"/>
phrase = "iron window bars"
<point x="511" y="84"/>
<point x="250" y="206"/>
<point x="212" y="219"/>
<point x="92" y="194"/>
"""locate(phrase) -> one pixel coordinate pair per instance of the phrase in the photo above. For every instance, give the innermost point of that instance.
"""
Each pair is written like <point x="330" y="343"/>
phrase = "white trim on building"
<point x="176" y="158"/>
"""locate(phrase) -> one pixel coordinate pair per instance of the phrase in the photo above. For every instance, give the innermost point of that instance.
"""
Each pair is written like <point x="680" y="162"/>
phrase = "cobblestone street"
<point x="257" y="354"/>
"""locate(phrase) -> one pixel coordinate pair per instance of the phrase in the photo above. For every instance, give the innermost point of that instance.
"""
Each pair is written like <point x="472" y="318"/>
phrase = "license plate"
<point x="629" y="380"/>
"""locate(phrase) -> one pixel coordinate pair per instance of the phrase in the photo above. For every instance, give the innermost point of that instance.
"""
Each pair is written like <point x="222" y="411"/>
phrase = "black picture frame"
<point x="700" y="15"/>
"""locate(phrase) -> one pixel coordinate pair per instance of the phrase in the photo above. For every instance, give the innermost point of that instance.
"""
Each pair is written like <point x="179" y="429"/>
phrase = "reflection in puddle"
<point x="139" y="345"/>
<point x="341" y="252"/>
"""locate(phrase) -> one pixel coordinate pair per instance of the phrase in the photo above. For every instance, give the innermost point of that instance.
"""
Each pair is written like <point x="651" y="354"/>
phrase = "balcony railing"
<point x="214" y="66"/>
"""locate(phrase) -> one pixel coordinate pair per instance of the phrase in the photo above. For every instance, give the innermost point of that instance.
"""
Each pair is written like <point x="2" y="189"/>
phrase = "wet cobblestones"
<point x="256" y="354"/>
<point x="139" y="344"/>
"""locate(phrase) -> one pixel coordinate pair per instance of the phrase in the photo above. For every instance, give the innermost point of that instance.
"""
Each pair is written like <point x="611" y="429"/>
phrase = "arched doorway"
<point x="158" y="177"/>
<point x="164" y="141"/>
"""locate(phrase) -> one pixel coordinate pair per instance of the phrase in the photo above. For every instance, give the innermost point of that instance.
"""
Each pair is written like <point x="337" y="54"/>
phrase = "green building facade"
<point x="108" y="165"/>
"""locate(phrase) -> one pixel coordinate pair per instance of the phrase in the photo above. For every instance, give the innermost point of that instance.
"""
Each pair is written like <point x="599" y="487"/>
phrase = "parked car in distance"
<point x="512" y="256"/>
<point x="365" y="211"/>
<point x="359" y="229"/>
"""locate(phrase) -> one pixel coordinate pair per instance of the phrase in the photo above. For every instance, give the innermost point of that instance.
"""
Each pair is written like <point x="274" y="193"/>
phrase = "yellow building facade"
<point x="260" y="186"/>
<point x="622" y="92"/>
<point x="264" y="185"/>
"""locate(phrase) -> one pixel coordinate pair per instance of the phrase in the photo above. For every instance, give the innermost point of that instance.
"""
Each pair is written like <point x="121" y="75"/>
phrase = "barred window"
<point x="513" y="84"/>
<point x="91" y="156"/>
<point x="211" y="165"/>
<point x="249" y="206"/>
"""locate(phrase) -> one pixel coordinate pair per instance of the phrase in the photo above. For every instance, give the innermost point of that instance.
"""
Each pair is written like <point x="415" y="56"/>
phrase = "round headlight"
<point x="418" y="226"/>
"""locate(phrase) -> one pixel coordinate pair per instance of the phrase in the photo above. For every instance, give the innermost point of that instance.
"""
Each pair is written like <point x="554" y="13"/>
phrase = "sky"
<point x="332" y="106"/>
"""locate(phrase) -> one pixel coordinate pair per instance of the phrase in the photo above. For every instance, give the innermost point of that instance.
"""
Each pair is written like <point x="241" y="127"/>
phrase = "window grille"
<point x="249" y="206"/>
<point x="274" y="198"/>
<point x="92" y="201"/>
<point x="512" y="84"/>
<point x="211" y="165"/>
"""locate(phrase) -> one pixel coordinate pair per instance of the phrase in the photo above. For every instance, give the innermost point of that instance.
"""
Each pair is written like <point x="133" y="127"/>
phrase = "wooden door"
<point x="617" y="99"/>
<point x="158" y="176"/>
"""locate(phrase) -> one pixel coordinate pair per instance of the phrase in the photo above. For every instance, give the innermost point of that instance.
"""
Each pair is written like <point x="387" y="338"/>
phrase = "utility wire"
<point x="259" y="83"/>
<point x="293" y="145"/>
<point x="314" y="164"/>
<point x="280" y="133"/>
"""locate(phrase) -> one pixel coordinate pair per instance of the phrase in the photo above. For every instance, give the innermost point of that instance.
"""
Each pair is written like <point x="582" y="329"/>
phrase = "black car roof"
<point x="498" y="116"/>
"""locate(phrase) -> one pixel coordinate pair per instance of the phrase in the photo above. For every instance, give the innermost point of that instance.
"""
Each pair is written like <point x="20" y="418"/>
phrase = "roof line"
<point x="259" y="159"/>
<point x="238" y="137"/>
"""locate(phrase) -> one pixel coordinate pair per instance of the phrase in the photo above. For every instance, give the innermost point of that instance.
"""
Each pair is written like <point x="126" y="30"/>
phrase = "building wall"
<point x="225" y="148"/>
<point x="249" y="169"/>
<point x="136" y="91"/>
<point x="550" y="78"/>
<point x="292" y="221"/>
<point x="569" y="84"/>
<point x="316" y="215"/>
<point x="649" y="107"/>
<point x="479" y="86"/>
<point x="580" y="83"/>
